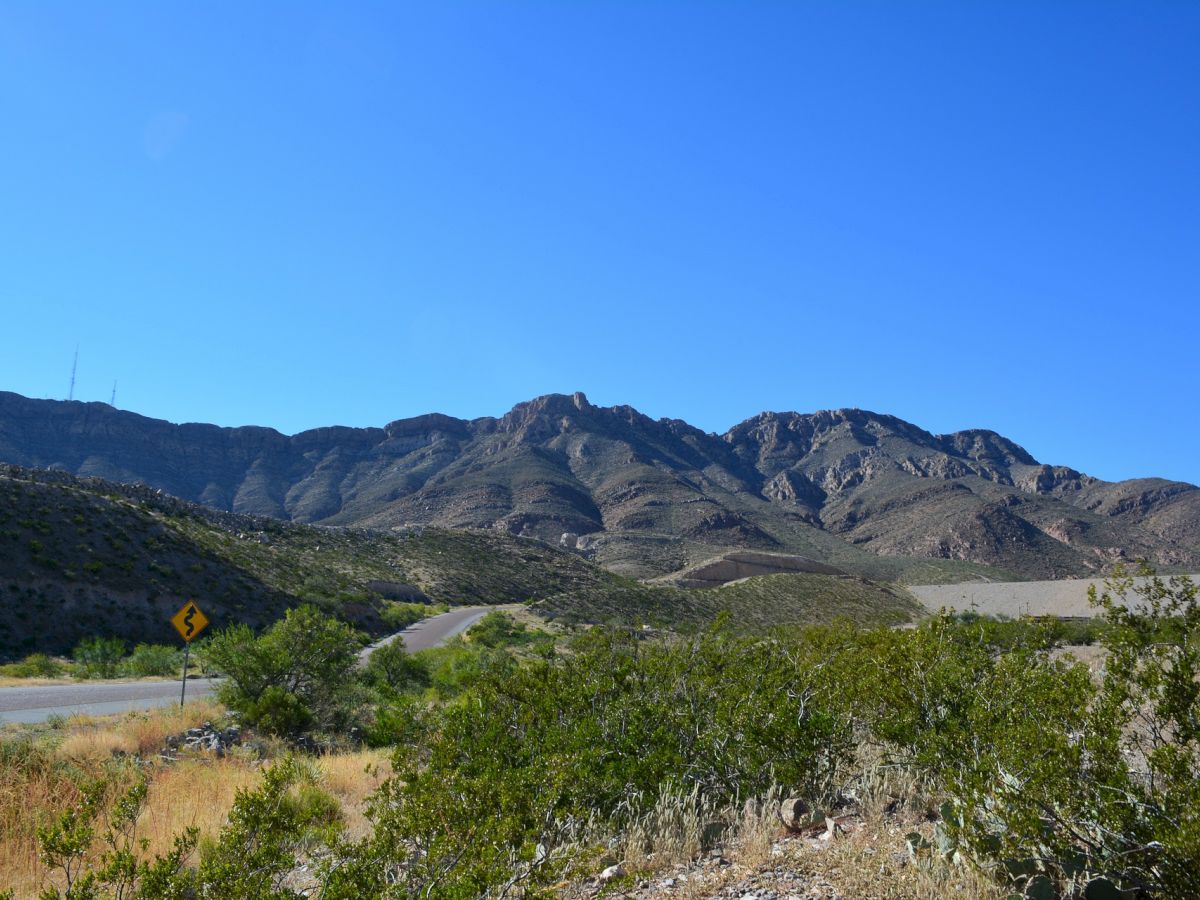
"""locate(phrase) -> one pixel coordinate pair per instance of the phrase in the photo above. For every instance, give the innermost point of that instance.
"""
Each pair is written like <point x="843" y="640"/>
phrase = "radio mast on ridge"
<point x="74" y="364"/>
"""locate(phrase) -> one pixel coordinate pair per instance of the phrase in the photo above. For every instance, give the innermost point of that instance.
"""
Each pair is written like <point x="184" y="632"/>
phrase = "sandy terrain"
<point x="1014" y="598"/>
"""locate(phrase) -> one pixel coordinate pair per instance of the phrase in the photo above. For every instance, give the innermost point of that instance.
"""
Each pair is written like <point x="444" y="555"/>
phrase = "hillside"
<point x="867" y="493"/>
<point x="82" y="556"/>
<point x="757" y="603"/>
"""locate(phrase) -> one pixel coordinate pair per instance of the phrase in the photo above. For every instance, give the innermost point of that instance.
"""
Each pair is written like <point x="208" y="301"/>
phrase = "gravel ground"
<point x="1013" y="599"/>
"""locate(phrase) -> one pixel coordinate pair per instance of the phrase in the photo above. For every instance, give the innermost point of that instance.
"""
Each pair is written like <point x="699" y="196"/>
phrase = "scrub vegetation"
<point x="521" y="762"/>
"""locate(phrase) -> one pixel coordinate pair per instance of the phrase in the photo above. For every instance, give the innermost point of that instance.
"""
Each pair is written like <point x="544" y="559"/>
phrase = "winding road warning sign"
<point x="189" y="621"/>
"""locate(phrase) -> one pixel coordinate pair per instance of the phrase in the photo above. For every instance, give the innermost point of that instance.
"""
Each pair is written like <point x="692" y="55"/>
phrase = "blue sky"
<point x="964" y="214"/>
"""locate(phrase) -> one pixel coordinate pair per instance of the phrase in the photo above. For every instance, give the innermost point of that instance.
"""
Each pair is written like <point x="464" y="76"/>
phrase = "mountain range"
<point x="865" y="492"/>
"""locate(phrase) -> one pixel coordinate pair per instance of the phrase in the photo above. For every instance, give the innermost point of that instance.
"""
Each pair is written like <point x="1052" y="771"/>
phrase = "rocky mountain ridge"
<point x="854" y="488"/>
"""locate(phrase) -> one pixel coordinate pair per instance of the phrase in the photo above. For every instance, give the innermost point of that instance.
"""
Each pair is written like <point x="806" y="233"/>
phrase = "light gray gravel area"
<point x="1068" y="597"/>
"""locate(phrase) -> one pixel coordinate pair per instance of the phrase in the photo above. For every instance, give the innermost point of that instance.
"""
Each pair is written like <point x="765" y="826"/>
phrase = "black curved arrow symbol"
<point x="187" y="620"/>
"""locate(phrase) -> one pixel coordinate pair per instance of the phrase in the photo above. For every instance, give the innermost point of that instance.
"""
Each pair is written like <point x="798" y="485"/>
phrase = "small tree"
<point x="297" y="675"/>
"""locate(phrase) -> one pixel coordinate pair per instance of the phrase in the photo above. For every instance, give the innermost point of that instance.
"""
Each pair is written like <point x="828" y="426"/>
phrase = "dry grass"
<point x="34" y="786"/>
<point x="40" y="774"/>
<point x="91" y="747"/>
<point x="89" y="740"/>
<point x="351" y="778"/>
<point x="670" y="832"/>
<point x="872" y="862"/>
<point x="192" y="794"/>
<point x="149" y="730"/>
<point x="13" y="681"/>
<point x="867" y="857"/>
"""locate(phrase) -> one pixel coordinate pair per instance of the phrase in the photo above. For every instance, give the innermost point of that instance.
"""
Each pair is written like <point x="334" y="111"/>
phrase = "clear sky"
<point x="966" y="214"/>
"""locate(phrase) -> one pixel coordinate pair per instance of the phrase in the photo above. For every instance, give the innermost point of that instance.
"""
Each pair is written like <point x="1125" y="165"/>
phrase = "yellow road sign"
<point x="189" y="621"/>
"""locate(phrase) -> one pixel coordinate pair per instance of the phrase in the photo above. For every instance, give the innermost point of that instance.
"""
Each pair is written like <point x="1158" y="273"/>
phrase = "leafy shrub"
<point x="118" y="871"/>
<point x="499" y="629"/>
<point x="396" y="721"/>
<point x="297" y="675"/>
<point x="563" y="739"/>
<point x="35" y="665"/>
<point x="152" y="659"/>
<point x="398" y="616"/>
<point x="256" y="852"/>
<point x="456" y="666"/>
<point x="392" y="669"/>
<point x="98" y="656"/>
<point x="1052" y="779"/>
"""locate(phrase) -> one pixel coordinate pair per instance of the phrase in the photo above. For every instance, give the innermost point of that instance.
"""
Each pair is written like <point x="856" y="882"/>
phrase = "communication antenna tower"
<point x="113" y="400"/>
<point x="74" y="365"/>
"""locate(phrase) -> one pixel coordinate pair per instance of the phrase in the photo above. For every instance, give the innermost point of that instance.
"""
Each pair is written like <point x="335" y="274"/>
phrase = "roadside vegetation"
<point x="520" y="762"/>
<point x="100" y="657"/>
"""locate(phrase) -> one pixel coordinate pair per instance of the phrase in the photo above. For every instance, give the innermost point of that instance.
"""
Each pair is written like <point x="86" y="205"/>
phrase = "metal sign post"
<point x="183" y="689"/>
<point x="189" y="622"/>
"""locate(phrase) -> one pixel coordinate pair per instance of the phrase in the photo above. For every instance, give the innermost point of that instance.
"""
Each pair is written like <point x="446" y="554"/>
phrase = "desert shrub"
<point x="152" y="659"/>
<point x="35" y="665"/>
<point x="98" y="656"/>
<point x="1000" y="633"/>
<point x="542" y="747"/>
<point x="1053" y="781"/>
<point x="456" y="666"/>
<point x="392" y="669"/>
<point x="256" y="852"/>
<point x="499" y="629"/>
<point x="297" y="675"/>
<point x="398" y="616"/>
<point x="119" y="870"/>
<point x="395" y="721"/>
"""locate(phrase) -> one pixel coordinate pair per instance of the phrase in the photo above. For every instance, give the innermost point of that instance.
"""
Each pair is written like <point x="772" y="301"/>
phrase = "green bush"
<point x="456" y="666"/>
<point x="35" y="665"/>
<point x="396" y="721"/>
<point x="152" y="659"/>
<point x="392" y="669"/>
<point x="562" y="739"/>
<point x="1050" y="777"/>
<point x="398" y="616"/>
<point x="297" y="675"/>
<point x="98" y="656"/>
<point x="499" y="629"/>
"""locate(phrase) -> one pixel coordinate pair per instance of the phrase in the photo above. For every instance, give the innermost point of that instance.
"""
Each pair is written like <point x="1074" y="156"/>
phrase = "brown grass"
<point x="41" y="773"/>
<point x="351" y="778"/>
<point x="194" y="793"/>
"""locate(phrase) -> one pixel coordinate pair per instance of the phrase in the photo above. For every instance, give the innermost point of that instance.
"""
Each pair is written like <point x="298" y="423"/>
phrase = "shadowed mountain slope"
<point x="867" y="493"/>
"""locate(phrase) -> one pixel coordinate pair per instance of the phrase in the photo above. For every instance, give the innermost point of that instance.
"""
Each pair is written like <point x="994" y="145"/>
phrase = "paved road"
<point x="36" y="704"/>
<point x="433" y="631"/>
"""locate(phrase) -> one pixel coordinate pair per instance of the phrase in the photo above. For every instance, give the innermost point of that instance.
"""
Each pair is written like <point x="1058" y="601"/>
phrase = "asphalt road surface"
<point x="36" y="704"/>
<point x="433" y="631"/>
